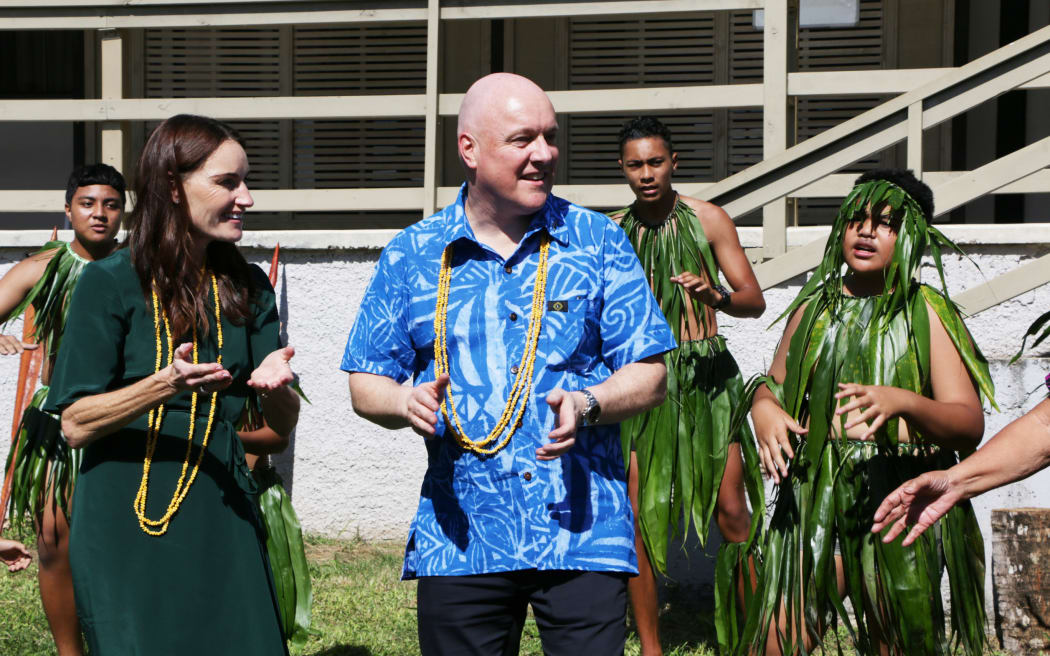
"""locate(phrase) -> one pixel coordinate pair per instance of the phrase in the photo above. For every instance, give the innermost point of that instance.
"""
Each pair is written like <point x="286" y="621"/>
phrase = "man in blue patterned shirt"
<point x="525" y="318"/>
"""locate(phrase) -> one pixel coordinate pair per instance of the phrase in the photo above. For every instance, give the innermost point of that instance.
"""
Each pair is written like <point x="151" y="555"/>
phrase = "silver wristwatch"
<point x="592" y="411"/>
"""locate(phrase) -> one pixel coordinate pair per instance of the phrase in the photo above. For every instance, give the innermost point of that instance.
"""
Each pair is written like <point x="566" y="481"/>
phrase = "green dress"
<point x="205" y="586"/>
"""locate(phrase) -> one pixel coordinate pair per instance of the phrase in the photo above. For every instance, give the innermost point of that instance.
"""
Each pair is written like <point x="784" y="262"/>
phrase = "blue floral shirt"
<point x="511" y="511"/>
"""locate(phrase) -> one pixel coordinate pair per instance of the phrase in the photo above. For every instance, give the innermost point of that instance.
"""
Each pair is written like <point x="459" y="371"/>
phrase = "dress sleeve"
<point x="90" y="360"/>
<point x="632" y="325"/>
<point x="379" y="342"/>
<point x="265" y="334"/>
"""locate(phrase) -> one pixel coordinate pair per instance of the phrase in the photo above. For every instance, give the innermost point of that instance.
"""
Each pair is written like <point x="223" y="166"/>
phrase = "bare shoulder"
<point x="713" y="218"/>
<point x="617" y="215"/>
<point x="32" y="268"/>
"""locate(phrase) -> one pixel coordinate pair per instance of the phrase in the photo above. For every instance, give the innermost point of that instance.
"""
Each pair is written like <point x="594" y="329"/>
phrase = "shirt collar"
<point x="551" y="217"/>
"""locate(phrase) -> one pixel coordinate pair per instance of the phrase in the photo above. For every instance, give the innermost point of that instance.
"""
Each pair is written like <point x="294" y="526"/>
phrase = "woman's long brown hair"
<point x="160" y="230"/>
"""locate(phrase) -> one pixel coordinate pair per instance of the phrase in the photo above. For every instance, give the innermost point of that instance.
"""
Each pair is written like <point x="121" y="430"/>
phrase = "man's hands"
<point x="14" y="555"/>
<point x="880" y="403"/>
<point x="920" y="501"/>
<point x="182" y="375"/>
<point x="11" y="346"/>
<point x="421" y="405"/>
<point x="772" y="427"/>
<point x="567" y="408"/>
<point x="698" y="288"/>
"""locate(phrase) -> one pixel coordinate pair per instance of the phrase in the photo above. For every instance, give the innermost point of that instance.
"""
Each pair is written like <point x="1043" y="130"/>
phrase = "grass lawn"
<point x="360" y="609"/>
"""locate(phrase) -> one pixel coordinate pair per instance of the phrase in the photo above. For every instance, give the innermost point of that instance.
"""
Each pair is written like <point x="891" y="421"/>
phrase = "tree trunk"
<point x="1021" y="579"/>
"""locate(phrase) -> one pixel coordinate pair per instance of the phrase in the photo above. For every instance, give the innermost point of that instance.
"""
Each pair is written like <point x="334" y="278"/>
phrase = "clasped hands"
<point x="422" y="403"/>
<point x="879" y="404"/>
<point x="274" y="372"/>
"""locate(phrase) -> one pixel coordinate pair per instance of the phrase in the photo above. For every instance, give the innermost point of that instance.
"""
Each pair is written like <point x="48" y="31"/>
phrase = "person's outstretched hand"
<point x="14" y="554"/>
<point x="204" y="378"/>
<point x="920" y="502"/>
<point x="273" y="372"/>
<point x="12" y="346"/>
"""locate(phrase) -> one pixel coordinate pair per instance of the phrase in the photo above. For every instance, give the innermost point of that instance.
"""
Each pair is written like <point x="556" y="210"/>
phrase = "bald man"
<point x="529" y="332"/>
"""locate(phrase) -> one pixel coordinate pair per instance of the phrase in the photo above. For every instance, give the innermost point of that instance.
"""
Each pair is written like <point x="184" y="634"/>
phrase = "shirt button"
<point x="513" y="316"/>
<point x="508" y="269"/>
<point x="527" y="476"/>
<point x="514" y="369"/>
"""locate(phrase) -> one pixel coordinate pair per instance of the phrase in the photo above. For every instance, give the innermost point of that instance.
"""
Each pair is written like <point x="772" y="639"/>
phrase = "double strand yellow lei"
<point x="520" y="390"/>
<point x="160" y="526"/>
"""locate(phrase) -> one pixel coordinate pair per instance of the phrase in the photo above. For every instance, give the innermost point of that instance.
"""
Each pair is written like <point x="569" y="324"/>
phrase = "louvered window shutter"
<point x="202" y="63"/>
<point x="855" y="48"/>
<point x="664" y="50"/>
<point x="318" y="154"/>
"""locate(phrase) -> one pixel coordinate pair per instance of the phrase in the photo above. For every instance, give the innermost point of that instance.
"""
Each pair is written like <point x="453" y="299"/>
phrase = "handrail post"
<point x="431" y="118"/>
<point x="112" y="87"/>
<point x="915" y="138"/>
<point x="779" y="36"/>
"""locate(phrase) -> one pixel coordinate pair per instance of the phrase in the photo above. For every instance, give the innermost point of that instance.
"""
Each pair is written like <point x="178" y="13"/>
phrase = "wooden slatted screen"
<point x="659" y="50"/>
<point x="860" y="47"/>
<point x="307" y="61"/>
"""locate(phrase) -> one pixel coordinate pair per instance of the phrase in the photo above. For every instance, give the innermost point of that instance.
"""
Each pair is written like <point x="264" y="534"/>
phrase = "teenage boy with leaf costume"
<point x="880" y="379"/>
<point x="685" y="455"/>
<point x="41" y="468"/>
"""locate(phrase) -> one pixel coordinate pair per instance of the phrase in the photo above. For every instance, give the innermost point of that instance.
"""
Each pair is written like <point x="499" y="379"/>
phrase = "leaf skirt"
<point x="287" y="554"/>
<point x="682" y="445"/>
<point x="45" y="468"/>
<point x="894" y="591"/>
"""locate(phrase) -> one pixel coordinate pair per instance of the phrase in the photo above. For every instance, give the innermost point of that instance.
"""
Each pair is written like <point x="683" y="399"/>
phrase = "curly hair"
<point x="906" y="180"/>
<point x="642" y="127"/>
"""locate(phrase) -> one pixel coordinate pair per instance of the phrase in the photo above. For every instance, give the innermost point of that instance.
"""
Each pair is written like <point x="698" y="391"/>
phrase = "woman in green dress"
<point x="172" y="334"/>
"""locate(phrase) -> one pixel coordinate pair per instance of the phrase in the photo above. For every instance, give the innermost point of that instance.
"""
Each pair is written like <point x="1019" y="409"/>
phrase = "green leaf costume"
<point x="835" y="484"/>
<point x="683" y="444"/>
<point x="44" y="463"/>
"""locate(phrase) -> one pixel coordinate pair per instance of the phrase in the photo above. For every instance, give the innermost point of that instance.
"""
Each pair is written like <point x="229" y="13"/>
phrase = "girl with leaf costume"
<point x="879" y="377"/>
<point x="685" y="455"/>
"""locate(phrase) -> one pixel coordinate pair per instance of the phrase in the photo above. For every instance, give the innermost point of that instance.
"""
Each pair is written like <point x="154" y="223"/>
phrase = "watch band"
<point x="593" y="411"/>
<point x="724" y="301"/>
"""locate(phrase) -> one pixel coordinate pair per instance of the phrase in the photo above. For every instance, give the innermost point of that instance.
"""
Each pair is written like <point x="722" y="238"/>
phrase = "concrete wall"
<point x="350" y="478"/>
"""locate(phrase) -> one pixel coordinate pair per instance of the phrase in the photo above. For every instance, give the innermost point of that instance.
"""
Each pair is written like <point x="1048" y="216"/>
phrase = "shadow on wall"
<point x="284" y="462"/>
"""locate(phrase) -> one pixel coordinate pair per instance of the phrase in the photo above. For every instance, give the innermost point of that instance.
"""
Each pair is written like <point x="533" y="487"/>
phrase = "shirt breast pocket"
<point x="570" y="332"/>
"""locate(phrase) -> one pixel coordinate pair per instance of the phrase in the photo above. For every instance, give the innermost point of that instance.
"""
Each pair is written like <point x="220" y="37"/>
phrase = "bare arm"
<point x="14" y="286"/>
<point x="923" y="500"/>
<point x="280" y="403"/>
<point x="96" y="416"/>
<point x="263" y="441"/>
<point x="773" y="425"/>
<point x="746" y="299"/>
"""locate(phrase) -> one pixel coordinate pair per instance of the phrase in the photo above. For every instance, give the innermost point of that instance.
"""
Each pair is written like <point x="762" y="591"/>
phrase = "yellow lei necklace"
<point x="519" y="391"/>
<point x="160" y="526"/>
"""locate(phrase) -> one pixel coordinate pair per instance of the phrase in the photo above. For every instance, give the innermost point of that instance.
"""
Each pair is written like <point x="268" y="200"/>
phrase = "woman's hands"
<point x="273" y="372"/>
<point x="772" y="428"/>
<point x="182" y="375"/>
<point x="880" y="403"/>
<point x="698" y="288"/>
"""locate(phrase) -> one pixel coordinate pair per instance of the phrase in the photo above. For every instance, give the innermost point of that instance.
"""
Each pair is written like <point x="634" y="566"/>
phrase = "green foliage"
<point x="50" y="295"/>
<point x="43" y="463"/>
<point x="284" y="545"/>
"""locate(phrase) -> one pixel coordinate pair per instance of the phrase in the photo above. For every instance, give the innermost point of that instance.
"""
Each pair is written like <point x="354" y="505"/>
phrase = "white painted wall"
<point x="350" y="478"/>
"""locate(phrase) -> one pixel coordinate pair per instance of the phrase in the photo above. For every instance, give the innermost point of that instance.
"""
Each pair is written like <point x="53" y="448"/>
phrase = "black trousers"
<point x="578" y="613"/>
